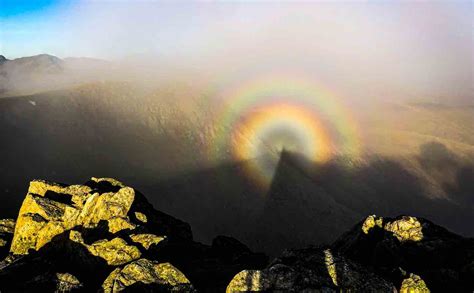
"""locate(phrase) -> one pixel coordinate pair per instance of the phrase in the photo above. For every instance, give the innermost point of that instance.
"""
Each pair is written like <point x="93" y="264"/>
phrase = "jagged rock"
<point x="141" y="217"/>
<point x="250" y="280"/>
<point x="146" y="275"/>
<point x="49" y="209"/>
<point x="370" y="222"/>
<point x="7" y="226"/>
<point x="222" y="260"/>
<point x="105" y="235"/>
<point x="67" y="282"/>
<point x="146" y="240"/>
<point x="415" y="245"/>
<point x="414" y="284"/>
<point x="106" y="230"/>
<point x="311" y="269"/>
<point x="405" y="229"/>
<point x="116" y="251"/>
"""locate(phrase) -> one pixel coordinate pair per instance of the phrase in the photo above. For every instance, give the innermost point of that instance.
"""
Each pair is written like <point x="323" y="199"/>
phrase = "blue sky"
<point x="12" y="8"/>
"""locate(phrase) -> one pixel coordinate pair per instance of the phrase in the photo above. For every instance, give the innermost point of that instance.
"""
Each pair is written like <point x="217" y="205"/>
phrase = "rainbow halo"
<point x="268" y="115"/>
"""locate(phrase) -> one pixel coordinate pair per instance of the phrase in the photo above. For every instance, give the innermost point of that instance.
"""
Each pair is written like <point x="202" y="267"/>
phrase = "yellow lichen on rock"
<point x="106" y="206"/>
<point x="141" y="217"/>
<point x="112" y="181"/>
<point x="7" y="225"/>
<point x="414" y="284"/>
<point x="146" y="240"/>
<point x="147" y="272"/>
<point x="407" y="228"/>
<point x="79" y="192"/>
<point x="40" y="187"/>
<point x="118" y="224"/>
<point x="115" y="252"/>
<point x="248" y="280"/>
<point x="67" y="282"/>
<point x="370" y="222"/>
<point x="40" y="218"/>
<point x="330" y="265"/>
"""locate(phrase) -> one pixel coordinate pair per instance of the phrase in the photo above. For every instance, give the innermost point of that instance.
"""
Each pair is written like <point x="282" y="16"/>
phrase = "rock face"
<point x="7" y="227"/>
<point x="404" y="254"/>
<point x="104" y="235"/>
<point x="414" y="284"/>
<point x="314" y="269"/>
<point x="50" y="209"/>
<point x="151" y="275"/>
<point x="412" y="251"/>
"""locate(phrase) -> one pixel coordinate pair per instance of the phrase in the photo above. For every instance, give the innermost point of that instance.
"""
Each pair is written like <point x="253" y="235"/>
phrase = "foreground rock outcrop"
<point x="7" y="226"/>
<point x="314" y="269"/>
<point x="105" y="236"/>
<point x="403" y="254"/>
<point x="405" y="249"/>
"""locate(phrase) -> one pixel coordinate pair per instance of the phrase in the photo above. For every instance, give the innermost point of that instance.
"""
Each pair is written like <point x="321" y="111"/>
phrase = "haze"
<point x="363" y="50"/>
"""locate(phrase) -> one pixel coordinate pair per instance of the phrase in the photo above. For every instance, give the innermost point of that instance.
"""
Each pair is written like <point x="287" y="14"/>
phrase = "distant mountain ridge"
<point x="42" y="72"/>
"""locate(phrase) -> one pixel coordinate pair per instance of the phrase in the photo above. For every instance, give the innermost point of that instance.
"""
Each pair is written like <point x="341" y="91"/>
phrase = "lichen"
<point x="67" y="282"/>
<point x="106" y="206"/>
<point x="330" y="265"/>
<point x="141" y="217"/>
<point x="414" y="284"/>
<point x="146" y="240"/>
<point x="7" y="226"/>
<point x="40" y="218"/>
<point x="115" y="252"/>
<point x="370" y="222"/>
<point x="118" y="224"/>
<point x="148" y="272"/>
<point x="406" y="229"/>
<point x="112" y="181"/>
<point x="248" y="281"/>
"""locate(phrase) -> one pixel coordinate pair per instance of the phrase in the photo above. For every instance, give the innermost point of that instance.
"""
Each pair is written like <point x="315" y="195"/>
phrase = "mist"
<point x="364" y="51"/>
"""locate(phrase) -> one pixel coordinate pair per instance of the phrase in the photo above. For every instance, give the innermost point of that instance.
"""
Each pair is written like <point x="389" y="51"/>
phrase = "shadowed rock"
<point x="7" y="226"/>
<point x="398" y="247"/>
<point x="105" y="235"/>
<point x="155" y="277"/>
<point x="313" y="269"/>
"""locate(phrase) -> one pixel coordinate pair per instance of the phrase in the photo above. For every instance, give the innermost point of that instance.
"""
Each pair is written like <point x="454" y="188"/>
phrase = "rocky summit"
<point x="104" y="236"/>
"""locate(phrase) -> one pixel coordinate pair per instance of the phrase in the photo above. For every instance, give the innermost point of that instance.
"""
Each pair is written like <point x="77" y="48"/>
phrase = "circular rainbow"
<point x="280" y="112"/>
<point x="265" y="133"/>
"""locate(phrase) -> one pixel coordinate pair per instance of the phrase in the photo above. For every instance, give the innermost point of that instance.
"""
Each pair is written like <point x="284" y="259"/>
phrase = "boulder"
<point x="115" y="252"/>
<point x="149" y="276"/>
<point x="49" y="209"/>
<point x="397" y="247"/>
<point x="414" y="284"/>
<point x="7" y="226"/>
<point x="70" y="238"/>
<point x="67" y="283"/>
<point x="314" y="269"/>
